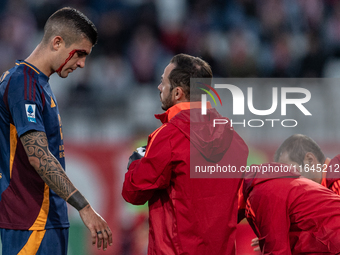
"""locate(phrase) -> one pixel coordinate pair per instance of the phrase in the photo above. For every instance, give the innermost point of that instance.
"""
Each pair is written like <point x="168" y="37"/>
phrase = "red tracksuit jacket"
<point x="195" y="216"/>
<point x="291" y="214"/>
<point x="331" y="178"/>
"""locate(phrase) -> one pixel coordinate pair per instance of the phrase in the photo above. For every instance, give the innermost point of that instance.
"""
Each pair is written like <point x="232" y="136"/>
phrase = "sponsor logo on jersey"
<point x="30" y="112"/>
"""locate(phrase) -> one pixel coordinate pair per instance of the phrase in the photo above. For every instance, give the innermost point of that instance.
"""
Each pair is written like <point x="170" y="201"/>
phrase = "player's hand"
<point x="141" y="150"/>
<point x="255" y="243"/>
<point x="100" y="231"/>
<point x="138" y="154"/>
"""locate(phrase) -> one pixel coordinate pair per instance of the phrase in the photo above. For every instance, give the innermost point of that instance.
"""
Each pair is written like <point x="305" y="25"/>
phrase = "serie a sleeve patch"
<point x="30" y="112"/>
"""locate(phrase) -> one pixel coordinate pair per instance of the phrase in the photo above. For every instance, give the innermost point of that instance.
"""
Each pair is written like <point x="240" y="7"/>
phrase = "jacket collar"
<point x="173" y="110"/>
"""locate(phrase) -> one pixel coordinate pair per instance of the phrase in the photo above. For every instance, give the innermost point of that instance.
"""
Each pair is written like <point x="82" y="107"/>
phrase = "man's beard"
<point x="167" y="102"/>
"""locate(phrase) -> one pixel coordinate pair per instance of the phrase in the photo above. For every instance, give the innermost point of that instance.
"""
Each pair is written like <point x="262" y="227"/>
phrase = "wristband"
<point x="77" y="200"/>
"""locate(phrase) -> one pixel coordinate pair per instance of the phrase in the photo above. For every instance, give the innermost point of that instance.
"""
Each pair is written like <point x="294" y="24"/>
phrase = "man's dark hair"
<point x="187" y="67"/>
<point x="72" y="25"/>
<point x="297" y="146"/>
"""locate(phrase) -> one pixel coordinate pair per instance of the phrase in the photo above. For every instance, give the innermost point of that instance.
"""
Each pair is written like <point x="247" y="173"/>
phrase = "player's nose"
<point x="81" y="63"/>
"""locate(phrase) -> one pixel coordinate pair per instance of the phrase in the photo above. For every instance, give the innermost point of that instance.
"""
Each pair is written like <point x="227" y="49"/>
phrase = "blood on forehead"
<point x="71" y="54"/>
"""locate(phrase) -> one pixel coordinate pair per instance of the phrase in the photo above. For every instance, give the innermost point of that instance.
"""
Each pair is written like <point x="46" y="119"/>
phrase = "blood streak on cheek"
<point x="71" y="54"/>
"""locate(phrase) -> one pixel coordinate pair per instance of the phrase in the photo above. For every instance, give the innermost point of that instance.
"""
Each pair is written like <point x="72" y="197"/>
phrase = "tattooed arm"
<point x="50" y="170"/>
<point x="53" y="174"/>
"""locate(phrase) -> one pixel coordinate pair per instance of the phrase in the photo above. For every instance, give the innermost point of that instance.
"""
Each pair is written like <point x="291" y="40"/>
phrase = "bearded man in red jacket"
<point x="187" y="215"/>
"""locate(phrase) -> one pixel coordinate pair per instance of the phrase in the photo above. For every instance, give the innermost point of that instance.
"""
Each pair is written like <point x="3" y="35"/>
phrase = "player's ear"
<point x="310" y="159"/>
<point x="57" y="41"/>
<point x="179" y="93"/>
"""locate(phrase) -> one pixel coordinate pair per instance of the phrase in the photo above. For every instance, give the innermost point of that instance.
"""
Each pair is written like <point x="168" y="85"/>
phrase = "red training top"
<point x="331" y="178"/>
<point x="291" y="214"/>
<point x="195" y="216"/>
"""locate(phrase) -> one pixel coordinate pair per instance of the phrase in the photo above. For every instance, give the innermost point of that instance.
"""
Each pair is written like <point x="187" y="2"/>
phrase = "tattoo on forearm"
<point x="47" y="166"/>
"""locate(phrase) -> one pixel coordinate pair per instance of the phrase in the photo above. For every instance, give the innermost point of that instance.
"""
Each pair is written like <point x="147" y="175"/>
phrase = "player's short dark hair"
<point x="187" y="67"/>
<point x="297" y="146"/>
<point x="72" y="25"/>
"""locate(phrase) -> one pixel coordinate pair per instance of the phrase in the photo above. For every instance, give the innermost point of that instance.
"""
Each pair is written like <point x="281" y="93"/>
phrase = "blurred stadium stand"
<point x="137" y="38"/>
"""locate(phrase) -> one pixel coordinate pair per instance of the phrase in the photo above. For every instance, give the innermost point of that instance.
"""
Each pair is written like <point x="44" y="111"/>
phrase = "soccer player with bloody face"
<point x="33" y="183"/>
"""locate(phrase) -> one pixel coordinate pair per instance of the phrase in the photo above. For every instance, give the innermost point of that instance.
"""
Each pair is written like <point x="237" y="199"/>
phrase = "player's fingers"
<point x="105" y="239"/>
<point x="93" y="236"/>
<point x="257" y="248"/>
<point x="99" y="239"/>
<point x="109" y="233"/>
<point x="255" y="242"/>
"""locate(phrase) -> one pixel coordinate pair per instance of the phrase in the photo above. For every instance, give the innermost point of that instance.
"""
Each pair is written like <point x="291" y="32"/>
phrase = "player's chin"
<point x="164" y="107"/>
<point x="64" y="74"/>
